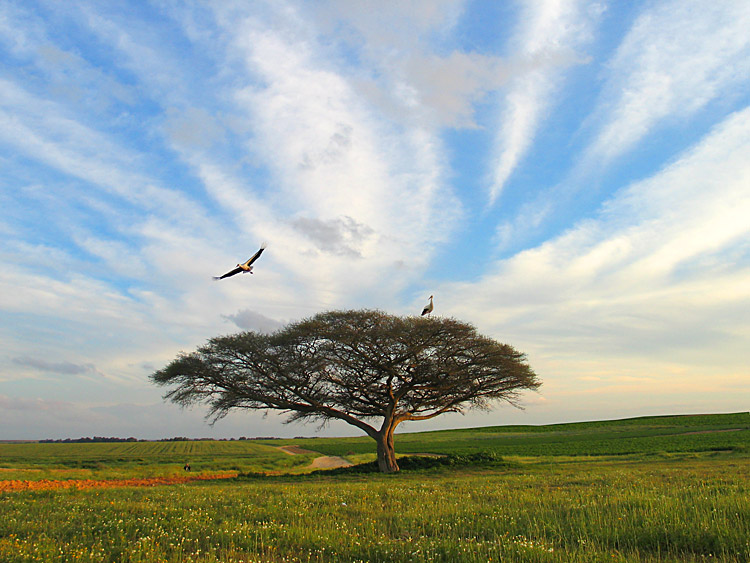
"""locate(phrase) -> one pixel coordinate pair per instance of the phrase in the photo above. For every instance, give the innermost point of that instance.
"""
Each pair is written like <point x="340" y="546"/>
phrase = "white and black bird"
<point x="246" y="267"/>
<point x="428" y="308"/>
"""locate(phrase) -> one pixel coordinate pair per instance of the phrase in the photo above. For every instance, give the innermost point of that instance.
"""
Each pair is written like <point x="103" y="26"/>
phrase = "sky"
<point x="571" y="177"/>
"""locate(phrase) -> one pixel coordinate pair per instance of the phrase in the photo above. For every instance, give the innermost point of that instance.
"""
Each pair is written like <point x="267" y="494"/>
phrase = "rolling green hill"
<point x="126" y="459"/>
<point x="644" y="435"/>
<point x="660" y="435"/>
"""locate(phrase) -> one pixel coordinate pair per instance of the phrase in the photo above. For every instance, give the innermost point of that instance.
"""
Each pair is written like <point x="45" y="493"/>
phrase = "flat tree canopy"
<point x="368" y="368"/>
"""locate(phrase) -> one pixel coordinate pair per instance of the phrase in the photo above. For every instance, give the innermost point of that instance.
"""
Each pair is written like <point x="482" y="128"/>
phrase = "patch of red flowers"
<point x="51" y="484"/>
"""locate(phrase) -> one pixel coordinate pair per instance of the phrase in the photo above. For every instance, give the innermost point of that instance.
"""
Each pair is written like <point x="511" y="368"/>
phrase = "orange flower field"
<point x="51" y="484"/>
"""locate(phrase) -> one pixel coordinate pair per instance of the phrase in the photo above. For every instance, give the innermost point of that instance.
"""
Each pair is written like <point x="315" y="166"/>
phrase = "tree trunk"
<point x="386" y="451"/>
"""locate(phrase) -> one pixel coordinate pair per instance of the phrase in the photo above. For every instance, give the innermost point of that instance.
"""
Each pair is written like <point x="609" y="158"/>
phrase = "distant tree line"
<point x="89" y="440"/>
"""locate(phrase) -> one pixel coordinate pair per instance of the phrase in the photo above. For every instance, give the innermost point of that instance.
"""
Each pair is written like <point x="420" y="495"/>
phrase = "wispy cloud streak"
<point x="677" y="57"/>
<point x="657" y="273"/>
<point x="551" y="37"/>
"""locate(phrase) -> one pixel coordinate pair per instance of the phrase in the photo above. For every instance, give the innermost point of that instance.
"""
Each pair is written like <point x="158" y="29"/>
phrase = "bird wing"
<point x="228" y="274"/>
<point x="255" y="256"/>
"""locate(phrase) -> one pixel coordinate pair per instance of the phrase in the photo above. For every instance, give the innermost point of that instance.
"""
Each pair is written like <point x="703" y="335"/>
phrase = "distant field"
<point x="659" y="489"/>
<point x="634" y="437"/>
<point x="647" y="435"/>
<point x="142" y="459"/>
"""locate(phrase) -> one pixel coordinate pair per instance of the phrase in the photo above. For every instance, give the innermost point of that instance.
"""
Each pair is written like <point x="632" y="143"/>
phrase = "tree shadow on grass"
<point x="407" y="464"/>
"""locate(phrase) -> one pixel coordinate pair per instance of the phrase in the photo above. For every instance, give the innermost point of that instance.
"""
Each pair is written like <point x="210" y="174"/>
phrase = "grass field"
<point x="646" y="435"/>
<point x="683" y="496"/>
<point x="34" y="461"/>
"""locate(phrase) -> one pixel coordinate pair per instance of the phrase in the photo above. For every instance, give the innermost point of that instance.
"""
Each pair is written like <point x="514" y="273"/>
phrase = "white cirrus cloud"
<point x="676" y="58"/>
<point x="551" y="36"/>
<point x="657" y="273"/>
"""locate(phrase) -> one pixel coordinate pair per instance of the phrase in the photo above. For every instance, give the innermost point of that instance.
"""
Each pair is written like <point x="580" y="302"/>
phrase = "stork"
<point x="246" y="267"/>
<point x="428" y="308"/>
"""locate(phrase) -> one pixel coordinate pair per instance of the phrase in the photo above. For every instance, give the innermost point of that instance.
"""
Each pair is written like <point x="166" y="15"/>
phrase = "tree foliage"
<point x="356" y="366"/>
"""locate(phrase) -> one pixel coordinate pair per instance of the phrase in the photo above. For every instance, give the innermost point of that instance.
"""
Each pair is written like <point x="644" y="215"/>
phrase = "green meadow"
<point x="648" y="489"/>
<point x="638" y="436"/>
<point x="36" y="461"/>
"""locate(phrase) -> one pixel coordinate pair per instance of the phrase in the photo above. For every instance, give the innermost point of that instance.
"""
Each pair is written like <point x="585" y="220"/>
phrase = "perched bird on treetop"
<point x="245" y="267"/>
<point x="428" y="308"/>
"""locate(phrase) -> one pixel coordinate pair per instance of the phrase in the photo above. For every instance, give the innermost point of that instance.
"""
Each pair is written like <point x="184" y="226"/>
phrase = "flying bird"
<point x="245" y="267"/>
<point x="428" y="308"/>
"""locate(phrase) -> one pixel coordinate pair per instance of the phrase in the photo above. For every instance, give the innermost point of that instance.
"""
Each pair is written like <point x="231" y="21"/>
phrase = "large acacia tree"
<point x="367" y="368"/>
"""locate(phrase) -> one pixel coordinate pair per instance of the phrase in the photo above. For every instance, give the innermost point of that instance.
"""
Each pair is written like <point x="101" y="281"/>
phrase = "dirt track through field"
<point x="51" y="484"/>
<point x="320" y="462"/>
<point x="330" y="462"/>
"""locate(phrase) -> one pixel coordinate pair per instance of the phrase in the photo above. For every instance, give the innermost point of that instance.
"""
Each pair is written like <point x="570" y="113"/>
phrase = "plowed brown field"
<point x="51" y="484"/>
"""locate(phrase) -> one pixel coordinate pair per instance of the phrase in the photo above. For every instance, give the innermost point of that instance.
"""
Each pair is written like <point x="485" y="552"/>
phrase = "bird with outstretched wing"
<point x="245" y="267"/>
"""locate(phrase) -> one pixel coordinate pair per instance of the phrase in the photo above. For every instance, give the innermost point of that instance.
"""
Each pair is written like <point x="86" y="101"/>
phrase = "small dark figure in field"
<point x="187" y="467"/>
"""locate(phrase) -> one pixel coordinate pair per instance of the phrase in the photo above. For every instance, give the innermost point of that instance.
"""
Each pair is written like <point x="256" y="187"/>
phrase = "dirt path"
<point x="330" y="462"/>
<point x="50" y="484"/>
<point x="320" y="462"/>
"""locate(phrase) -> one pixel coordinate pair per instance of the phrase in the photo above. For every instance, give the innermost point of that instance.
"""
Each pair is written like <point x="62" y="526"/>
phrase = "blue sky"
<point x="571" y="177"/>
